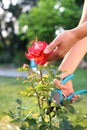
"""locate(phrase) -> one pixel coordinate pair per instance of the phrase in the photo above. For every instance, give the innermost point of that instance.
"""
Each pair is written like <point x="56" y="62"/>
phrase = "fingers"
<point x="59" y="85"/>
<point x="75" y="98"/>
<point x="52" y="46"/>
<point x="56" y="54"/>
<point x="52" y="57"/>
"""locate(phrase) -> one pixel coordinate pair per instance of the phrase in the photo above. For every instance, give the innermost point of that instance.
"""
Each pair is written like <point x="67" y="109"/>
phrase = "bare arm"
<point x="64" y="42"/>
<point x="84" y="13"/>
<point x="80" y="31"/>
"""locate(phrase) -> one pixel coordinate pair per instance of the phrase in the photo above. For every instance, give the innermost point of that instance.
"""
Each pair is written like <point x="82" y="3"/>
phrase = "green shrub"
<point x="50" y="115"/>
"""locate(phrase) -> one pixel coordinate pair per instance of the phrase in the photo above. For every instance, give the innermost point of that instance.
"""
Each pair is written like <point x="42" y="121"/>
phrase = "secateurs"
<point x="58" y="96"/>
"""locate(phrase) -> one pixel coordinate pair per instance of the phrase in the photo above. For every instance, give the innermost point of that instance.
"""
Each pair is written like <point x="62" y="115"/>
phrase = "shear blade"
<point x="56" y="97"/>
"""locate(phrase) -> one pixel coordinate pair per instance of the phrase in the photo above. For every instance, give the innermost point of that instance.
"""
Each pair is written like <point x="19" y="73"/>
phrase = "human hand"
<point x="61" y="45"/>
<point x="66" y="89"/>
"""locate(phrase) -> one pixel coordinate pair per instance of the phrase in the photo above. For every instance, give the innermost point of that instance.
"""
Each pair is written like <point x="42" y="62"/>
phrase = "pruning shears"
<point x="58" y="96"/>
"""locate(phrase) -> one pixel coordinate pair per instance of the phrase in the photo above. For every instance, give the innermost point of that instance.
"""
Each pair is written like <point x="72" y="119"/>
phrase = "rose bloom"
<point x="36" y="52"/>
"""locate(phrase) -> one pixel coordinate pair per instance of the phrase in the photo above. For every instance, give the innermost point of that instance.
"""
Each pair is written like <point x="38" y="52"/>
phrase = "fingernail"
<point x="54" y="80"/>
<point x="46" y="51"/>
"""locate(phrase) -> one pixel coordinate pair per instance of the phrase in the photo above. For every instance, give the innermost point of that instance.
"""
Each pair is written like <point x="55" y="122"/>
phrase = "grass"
<point x="80" y="79"/>
<point x="80" y="82"/>
<point x="9" y="88"/>
<point x="9" y="91"/>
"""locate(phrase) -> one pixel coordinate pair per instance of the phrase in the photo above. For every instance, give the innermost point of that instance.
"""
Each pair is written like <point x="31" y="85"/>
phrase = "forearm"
<point x="73" y="57"/>
<point x="80" y="31"/>
<point x="84" y="13"/>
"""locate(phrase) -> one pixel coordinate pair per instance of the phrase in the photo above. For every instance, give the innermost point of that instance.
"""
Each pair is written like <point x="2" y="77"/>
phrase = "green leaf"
<point x="24" y="119"/>
<point x="19" y="101"/>
<point x="54" y="128"/>
<point x="71" y="109"/>
<point x="43" y="127"/>
<point x="11" y="114"/>
<point x="64" y="124"/>
<point x="32" y="121"/>
<point x="79" y="127"/>
<point x="69" y="106"/>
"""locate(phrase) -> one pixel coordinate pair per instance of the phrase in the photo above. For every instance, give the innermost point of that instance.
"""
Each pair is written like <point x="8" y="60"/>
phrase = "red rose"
<point x="36" y="52"/>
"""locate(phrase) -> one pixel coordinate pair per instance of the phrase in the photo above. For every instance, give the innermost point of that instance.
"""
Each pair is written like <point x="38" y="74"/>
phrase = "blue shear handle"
<point x="76" y="93"/>
<point x="67" y="78"/>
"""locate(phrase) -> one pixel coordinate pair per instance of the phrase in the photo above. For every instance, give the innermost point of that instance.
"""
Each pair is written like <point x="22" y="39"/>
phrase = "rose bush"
<point x="50" y="116"/>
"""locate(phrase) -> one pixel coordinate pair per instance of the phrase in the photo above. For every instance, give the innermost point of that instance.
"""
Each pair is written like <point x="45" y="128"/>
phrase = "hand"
<point x="66" y="89"/>
<point x="61" y="45"/>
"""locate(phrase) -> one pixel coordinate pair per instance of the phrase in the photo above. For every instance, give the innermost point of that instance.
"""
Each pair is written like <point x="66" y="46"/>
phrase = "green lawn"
<point x="80" y="82"/>
<point x="9" y="88"/>
<point x="9" y="91"/>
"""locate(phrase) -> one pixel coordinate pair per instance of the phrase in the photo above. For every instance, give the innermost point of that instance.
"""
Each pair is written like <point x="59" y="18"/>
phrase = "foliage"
<point x="50" y="115"/>
<point x="47" y="17"/>
<point x="10" y="41"/>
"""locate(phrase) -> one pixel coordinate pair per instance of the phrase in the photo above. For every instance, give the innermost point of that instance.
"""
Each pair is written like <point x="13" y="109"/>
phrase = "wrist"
<point x="75" y="34"/>
<point x="80" y="31"/>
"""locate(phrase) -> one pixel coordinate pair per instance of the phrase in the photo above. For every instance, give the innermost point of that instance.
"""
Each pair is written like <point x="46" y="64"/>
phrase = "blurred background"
<point x="23" y="20"/>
